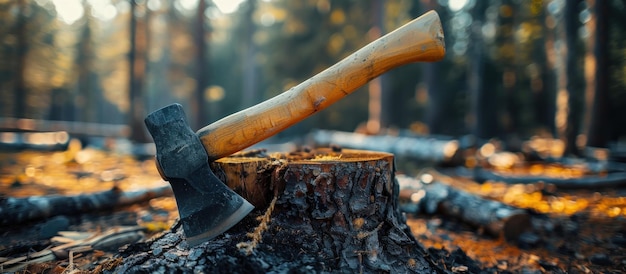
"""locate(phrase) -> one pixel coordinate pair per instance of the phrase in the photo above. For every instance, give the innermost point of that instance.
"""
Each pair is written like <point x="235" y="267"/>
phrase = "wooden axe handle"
<point x="418" y="40"/>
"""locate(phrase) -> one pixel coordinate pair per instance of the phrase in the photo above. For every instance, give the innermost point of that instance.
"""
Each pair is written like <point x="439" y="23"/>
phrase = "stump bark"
<point x="317" y="211"/>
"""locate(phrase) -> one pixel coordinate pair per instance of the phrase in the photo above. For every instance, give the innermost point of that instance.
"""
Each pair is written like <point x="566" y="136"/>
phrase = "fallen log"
<point x="19" y="210"/>
<point x="317" y="211"/>
<point x="612" y="178"/>
<point x="431" y="195"/>
<point x="416" y="147"/>
<point x="48" y="141"/>
<point x="71" y="127"/>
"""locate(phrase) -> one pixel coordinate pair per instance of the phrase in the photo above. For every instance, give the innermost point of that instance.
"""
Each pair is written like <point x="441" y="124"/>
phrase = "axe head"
<point x="207" y="207"/>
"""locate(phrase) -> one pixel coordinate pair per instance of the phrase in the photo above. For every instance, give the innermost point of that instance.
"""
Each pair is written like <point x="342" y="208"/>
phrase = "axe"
<point x="206" y="205"/>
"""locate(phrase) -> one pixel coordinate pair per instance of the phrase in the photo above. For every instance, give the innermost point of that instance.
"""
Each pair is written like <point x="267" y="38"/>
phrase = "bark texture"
<point x="322" y="211"/>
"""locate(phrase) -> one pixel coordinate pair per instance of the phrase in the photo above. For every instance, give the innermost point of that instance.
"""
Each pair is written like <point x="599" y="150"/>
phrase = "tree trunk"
<point x="137" y="78"/>
<point x="599" y="124"/>
<point x="199" y="103"/>
<point x="87" y="100"/>
<point x="19" y="107"/>
<point x="478" y="121"/>
<point x="574" y="74"/>
<point x="160" y="88"/>
<point x="506" y="59"/>
<point x="321" y="211"/>
<point x="249" y="62"/>
<point x="543" y="86"/>
<point x="378" y="111"/>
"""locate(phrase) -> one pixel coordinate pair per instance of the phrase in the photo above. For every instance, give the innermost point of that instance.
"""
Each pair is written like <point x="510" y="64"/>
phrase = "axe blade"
<point x="207" y="207"/>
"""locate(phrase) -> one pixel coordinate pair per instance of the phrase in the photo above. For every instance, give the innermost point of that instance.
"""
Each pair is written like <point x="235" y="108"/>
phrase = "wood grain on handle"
<point x="420" y="40"/>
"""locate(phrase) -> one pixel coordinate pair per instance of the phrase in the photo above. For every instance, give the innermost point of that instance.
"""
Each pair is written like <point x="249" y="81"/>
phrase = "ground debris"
<point x="579" y="230"/>
<point x="71" y="245"/>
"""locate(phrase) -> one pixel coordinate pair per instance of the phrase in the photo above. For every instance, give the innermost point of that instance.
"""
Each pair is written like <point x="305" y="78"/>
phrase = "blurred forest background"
<point x="514" y="69"/>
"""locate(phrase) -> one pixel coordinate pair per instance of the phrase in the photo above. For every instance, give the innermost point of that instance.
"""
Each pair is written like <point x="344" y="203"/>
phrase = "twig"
<point x="82" y="242"/>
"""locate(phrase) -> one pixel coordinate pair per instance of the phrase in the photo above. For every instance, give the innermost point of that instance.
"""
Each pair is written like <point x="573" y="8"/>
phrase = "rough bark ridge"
<point x="334" y="213"/>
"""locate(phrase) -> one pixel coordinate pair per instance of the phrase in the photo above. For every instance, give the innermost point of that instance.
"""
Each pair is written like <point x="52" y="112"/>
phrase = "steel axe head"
<point x="207" y="207"/>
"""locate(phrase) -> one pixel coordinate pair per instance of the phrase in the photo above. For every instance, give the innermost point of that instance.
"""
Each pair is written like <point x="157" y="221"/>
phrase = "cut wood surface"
<point x="19" y="210"/>
<point x="430" y="194"/>
<point x="422" y="148"/>
<point x="317" y="211"/>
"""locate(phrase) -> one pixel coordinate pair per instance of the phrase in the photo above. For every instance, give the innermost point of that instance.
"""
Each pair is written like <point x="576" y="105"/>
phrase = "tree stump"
<point x="316" y="211"/>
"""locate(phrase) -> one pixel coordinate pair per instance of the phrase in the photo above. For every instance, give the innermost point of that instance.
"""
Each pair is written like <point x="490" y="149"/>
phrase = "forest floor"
<point x="573" y="231"/>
